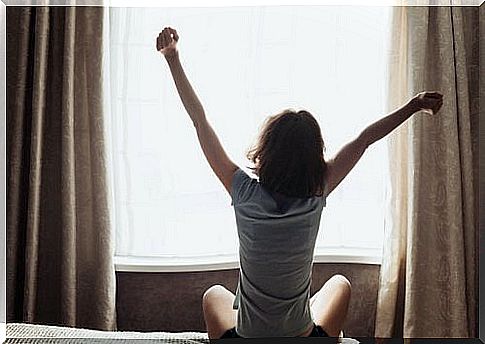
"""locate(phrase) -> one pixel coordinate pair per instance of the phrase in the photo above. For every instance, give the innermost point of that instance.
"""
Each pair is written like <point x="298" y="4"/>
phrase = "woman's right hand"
<point x="167" y="42"/>
<point x="427" y="101"/>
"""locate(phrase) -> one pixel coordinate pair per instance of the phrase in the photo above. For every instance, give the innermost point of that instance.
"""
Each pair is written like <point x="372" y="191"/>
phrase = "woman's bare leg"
<point x="330" y="304"/>
<point x="218" y="313"/>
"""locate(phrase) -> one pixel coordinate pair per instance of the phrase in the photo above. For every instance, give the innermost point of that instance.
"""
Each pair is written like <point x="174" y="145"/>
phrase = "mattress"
<point x="30" y="333"/>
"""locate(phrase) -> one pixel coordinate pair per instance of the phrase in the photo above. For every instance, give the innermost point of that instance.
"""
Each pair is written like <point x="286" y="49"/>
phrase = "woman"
<point x="278" y="216"/>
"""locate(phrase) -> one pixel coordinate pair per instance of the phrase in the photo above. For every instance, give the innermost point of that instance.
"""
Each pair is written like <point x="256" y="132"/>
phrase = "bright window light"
<point x="245" y="63"/>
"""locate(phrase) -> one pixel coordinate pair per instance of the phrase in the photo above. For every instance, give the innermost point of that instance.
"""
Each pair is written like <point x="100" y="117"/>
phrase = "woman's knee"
<point x="342" y="279"/>
<point x="343" y="283"/>
<point x="211" y="292"/>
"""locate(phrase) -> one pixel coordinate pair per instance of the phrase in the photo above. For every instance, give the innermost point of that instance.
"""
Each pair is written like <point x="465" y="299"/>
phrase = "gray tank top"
<point x="277" y="237"/>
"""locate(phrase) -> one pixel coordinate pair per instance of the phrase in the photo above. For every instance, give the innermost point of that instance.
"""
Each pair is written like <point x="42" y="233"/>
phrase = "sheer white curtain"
<point x="245" y="63"/>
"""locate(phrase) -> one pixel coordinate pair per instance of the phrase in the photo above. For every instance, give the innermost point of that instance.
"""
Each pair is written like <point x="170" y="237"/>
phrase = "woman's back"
<point x="276" y="242"/>
<point x="277" y="234"/>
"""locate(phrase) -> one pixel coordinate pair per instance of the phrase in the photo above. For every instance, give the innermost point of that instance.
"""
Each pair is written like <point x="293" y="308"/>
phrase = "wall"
<point x="172" y="301"/>
<point x="3" y="282"/>
<point x="480" y="167"/>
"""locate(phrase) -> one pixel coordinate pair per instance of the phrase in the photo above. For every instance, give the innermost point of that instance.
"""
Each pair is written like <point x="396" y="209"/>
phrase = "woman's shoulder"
<point x="241" y="186"/>
<point x="245" y="187"/>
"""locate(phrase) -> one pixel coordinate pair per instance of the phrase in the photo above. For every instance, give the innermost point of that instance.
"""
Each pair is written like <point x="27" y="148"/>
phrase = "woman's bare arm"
<point x="339" y="166"/>
<point x="220" y="163"/>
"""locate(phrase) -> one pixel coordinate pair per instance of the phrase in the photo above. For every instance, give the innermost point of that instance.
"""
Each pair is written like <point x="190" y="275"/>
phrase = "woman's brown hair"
<point x="288" y="155"/>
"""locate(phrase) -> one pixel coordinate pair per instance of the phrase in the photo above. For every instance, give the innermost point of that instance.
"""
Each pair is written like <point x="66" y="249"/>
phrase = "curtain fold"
<point x="428" y="282"/>
<point x="59" y="236"/>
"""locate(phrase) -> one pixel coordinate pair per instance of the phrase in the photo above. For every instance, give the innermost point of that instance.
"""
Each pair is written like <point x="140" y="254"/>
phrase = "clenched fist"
<point x="167" y="42"/>
<point x="428" y="101"/>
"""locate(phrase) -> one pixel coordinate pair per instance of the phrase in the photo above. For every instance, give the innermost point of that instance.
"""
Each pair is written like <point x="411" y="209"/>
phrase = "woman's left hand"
<point x="167" y="42"/>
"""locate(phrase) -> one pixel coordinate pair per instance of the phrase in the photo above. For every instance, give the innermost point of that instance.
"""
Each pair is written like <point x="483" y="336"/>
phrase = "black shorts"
<point x="317" y="331"/>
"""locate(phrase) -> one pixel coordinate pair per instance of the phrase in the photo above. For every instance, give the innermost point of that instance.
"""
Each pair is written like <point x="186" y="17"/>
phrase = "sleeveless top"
<point x="277" y="237"/>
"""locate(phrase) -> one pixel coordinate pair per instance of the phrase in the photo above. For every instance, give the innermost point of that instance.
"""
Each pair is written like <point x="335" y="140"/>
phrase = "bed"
<point x="30" y="333"/>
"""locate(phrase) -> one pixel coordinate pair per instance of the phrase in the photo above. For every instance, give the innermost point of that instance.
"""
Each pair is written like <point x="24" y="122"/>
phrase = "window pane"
<point x="245" y="63"/>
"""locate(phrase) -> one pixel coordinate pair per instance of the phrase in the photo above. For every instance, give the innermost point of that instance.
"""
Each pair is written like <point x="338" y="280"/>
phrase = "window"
<point x="245" y="63"/>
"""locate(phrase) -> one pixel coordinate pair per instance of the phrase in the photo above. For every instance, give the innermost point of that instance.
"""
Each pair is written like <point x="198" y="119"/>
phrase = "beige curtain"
<point x="428" y="281"/>
<point x="59" y="239"/>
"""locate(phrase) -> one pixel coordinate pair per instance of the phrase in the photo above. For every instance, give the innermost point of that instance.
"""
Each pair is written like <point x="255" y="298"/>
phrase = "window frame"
<point x="323" y="254"/>
<point x="332" y="255"/>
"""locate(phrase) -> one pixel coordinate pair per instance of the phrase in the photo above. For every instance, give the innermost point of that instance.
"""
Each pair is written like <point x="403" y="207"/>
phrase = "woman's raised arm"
<point x="343" y="162"/>
<point x="220" y="163"/>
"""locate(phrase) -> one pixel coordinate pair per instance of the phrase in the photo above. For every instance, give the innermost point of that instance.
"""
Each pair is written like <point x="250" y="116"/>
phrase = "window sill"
<point x="227" y="262"/>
